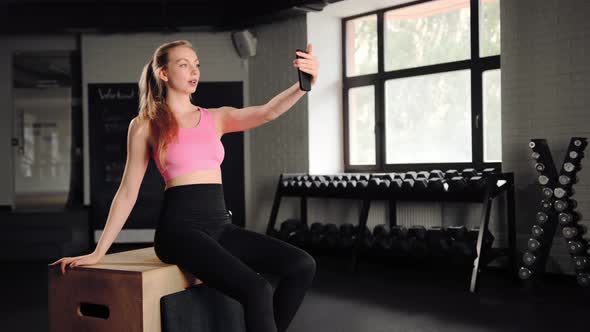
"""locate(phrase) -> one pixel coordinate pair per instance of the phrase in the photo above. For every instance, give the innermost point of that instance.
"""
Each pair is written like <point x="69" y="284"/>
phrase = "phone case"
<point x="304" y="78"/>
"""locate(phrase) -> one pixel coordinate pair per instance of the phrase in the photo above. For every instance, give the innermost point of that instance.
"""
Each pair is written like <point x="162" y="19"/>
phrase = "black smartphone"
<point x="304" y="78"/>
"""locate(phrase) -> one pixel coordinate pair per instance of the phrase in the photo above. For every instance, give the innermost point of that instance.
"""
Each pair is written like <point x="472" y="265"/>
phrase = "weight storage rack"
<point x="469" y="186"/>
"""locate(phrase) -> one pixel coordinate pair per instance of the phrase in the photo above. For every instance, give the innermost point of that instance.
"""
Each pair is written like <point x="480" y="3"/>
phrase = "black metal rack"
<point x="557" y="210"/>
<point x="495" y="185"/>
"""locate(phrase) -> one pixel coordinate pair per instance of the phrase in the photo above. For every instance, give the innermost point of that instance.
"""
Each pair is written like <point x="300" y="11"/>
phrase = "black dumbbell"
<point x="544" y="180"/>
<point x="436" y="173"/>
<point x="535" y="155"/>
<point x="410" y="175"/>
<point x="396" y="185"/>
<point x="537" y="232"/>
<point x="451" y="173"/>
<point x="384" y="185"/>
<point x="571" y="232"/>
<point x="374" y="184"/>
<point x="382" y="236"/>
<point x="540" y="167"/>
<point x="347" y="177"/>
<point x="469" y="172"/>
<point x="547" y="192"/>
<point x="583" y="279"/>
<point x="488" y="171"/>
<point x="436" y="185"/>
<point x="408" y="185"/>
<point x="457" y="184"/>
<point x="581" y="263"/>
<point x="581" y="143"/>
<point x="333" y="186"/>
<point x="566" y="218"/>
<point x="362" y="185"/>
<point x="423" y="174"/>
<point x="299" y="237"/>
<point x="566" y="180"/>
<point x="571" y="168"/>
<point x="546" y="205"/>
<point x="346" y="236"/>
<point x="561" y="192"/>
<point x="477" y="183"/>
<point x="461" y="246"/>
<point x="576" y="247"/>
<point x="314" y="178"/>
<point x="533" y="244"/>
<point x="301" y="178"/>
<point x="421" y="184"/>
<point x="564" y="204"/>
<point x="529" y="259"/>
<point x="316" y="185"/>
<point x="542" y="217"/>
<point x="287" y="227"/>
<point x="524" y="273"/>
<point x="438" y="240"/>
<point x="368" y="242"/>
<point x="576" y="155"/>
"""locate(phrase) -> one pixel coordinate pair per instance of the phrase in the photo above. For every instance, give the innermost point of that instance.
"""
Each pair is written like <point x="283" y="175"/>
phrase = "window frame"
<point x="477" y="66"/>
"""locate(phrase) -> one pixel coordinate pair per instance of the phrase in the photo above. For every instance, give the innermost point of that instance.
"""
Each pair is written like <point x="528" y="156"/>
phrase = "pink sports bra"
<point x="197" y="148"/>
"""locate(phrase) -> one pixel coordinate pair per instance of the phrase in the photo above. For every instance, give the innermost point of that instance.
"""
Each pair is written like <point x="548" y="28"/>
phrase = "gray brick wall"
<point x="545" y="94"/>
<point x="280" y="146"/>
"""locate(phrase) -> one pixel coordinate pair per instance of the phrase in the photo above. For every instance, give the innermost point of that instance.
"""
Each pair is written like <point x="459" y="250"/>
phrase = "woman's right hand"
<point x="89" y="259"/>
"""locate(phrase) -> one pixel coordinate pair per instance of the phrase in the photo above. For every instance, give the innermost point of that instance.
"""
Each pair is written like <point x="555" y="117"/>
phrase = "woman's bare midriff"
<point x="196" y="177"/>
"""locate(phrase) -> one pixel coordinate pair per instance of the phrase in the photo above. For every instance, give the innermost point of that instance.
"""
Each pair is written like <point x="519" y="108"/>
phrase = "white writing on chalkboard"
<point x="111" y="93"/>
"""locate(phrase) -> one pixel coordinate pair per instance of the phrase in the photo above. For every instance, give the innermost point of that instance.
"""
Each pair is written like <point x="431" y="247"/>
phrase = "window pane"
<point x="492" y="117"/>
<point x="428" y="118"/>
<point x="361" y="125"/>
<point x="425" y="34"/>
<point x="361" y="46"/>
<point x="490" y="27"/>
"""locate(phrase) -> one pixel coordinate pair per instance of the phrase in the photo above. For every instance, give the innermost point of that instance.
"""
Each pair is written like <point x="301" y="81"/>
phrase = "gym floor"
<point x="378" y="297"/>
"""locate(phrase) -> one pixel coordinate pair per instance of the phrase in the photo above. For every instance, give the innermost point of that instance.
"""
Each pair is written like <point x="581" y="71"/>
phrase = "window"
<point x="422" y="86"/>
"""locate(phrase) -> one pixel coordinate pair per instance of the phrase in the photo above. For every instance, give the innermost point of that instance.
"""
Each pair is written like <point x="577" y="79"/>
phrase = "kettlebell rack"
<point x="469" y="186"/>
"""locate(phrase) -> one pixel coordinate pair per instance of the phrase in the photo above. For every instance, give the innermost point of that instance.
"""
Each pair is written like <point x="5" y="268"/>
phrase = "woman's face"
<point x="182" y="71"/>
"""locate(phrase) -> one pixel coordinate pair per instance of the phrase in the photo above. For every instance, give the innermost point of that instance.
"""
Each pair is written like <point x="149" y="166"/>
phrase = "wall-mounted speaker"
<point x="245" y="43"/>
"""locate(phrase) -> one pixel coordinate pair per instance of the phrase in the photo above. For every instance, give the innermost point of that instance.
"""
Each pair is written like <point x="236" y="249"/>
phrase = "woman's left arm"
<point x="239" y="119"/>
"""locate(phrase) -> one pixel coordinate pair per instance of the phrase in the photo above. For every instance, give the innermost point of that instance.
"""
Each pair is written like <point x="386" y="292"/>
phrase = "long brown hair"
<point x="152" y="99"/>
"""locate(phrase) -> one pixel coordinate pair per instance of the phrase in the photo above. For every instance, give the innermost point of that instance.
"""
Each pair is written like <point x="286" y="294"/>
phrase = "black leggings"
<point x="195" y="232"/>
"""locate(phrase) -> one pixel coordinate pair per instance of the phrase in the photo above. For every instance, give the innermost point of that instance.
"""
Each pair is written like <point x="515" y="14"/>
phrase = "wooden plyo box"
<point x="120" y="293"/>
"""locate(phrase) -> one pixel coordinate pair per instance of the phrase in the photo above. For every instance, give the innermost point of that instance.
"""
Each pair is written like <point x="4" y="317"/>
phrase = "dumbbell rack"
<point x="495" y="185"/>
<point x="557" y="209"/>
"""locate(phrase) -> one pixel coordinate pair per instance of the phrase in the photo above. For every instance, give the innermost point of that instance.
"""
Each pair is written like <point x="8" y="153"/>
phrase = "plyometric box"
<point x="120" y="293"/>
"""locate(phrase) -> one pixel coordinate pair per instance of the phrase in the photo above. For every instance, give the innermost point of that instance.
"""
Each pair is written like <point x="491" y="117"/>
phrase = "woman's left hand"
<point x="309" y="64"/>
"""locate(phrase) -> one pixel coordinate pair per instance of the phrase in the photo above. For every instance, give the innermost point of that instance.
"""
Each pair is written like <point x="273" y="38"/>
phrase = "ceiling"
<point x="112" y="16"/>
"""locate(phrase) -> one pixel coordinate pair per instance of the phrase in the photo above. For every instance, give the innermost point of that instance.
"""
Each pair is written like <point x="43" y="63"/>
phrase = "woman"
<point x="194" y="229"/>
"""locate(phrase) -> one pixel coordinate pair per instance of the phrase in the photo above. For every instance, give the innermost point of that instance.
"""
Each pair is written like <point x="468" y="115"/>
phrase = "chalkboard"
<point x="111" y="108"/>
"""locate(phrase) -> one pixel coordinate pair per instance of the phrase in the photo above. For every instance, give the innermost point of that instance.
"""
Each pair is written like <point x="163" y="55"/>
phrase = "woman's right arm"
<point x="125" y="198"/>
